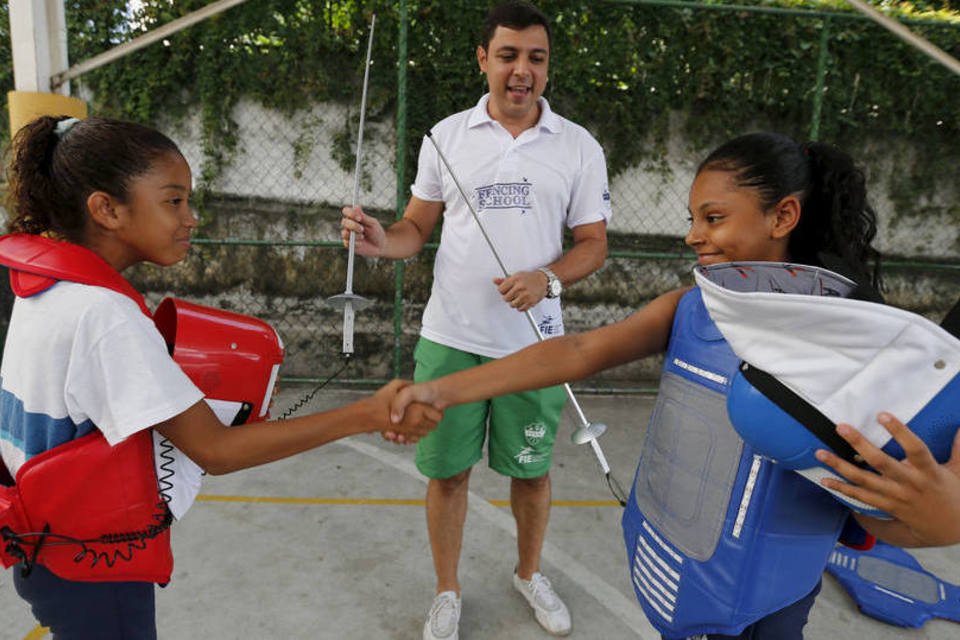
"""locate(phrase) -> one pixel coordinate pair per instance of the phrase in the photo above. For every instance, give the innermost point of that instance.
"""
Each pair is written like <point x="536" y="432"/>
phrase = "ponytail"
<point x="843" y="223"/>
<point x="35" y="202"/>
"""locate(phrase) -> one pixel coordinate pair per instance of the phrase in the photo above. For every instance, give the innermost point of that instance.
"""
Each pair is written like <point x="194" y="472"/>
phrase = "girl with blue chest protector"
<point x="721" y="542"/>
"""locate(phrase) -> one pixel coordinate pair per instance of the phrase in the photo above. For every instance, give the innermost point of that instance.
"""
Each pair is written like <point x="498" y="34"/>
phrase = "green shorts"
<point x="523" y="426"/>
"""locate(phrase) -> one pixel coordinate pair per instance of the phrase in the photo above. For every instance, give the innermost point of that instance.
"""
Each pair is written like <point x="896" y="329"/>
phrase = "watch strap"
<point x="552" y="282"/>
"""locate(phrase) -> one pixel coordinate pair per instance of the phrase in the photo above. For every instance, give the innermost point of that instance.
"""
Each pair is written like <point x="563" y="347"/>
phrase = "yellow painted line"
<point x="37" y="633"/>
<point x="565" y="503"/>
<point x="335" y="501"/>
<point x="389" y="502"/>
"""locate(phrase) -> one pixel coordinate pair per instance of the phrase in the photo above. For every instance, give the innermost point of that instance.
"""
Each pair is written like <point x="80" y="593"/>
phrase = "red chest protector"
<point x="85" y="510"/>
<point x="91" y="512"/>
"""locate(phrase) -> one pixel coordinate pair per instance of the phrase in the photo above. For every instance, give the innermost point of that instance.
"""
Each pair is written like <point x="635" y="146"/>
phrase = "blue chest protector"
<point x="717" y="536"/>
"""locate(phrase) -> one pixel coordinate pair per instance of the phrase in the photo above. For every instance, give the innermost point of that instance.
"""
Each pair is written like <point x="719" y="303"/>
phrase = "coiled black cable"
<point x="165" y="470"/>
<point x="128" y="542"/>
<point x="299" y="404"/>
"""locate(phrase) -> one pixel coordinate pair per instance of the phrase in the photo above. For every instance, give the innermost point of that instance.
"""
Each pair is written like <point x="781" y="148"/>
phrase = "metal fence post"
<point x="398" y="265"/>
<point x="821" y="79"/>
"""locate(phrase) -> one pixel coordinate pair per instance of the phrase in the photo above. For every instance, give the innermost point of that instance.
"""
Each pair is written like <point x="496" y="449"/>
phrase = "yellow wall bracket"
<point x="29" y="105"/>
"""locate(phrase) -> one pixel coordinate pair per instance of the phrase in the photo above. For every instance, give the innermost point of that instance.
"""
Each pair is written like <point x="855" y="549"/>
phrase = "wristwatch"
<point x="554" y="286"/>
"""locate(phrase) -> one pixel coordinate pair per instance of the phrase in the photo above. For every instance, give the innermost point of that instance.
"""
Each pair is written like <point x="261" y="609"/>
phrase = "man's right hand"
<point x="370" y="236"/>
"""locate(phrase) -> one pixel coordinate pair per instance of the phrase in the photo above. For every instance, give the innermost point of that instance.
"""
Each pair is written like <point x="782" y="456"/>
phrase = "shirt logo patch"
<point x="506" y="195"/>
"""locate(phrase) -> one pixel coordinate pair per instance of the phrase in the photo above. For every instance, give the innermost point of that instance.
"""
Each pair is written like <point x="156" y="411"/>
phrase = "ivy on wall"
<point x="6" y="69"/>
<point x="633" y="73"/>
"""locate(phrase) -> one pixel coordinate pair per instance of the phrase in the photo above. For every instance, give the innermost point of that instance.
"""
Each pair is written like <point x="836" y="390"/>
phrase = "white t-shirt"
<point x="80" y="357"/>
<point x="525" y="191"/>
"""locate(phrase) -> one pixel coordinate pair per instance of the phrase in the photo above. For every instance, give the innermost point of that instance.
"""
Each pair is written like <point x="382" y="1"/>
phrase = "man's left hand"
<point x="523" y="289"/>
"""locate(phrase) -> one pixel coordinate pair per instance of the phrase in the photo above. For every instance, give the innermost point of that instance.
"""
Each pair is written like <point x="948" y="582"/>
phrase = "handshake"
<point x="405" y="412"/>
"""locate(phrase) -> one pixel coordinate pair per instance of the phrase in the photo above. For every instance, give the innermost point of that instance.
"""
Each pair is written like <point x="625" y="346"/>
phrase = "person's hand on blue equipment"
<point x="370" y="235"/>
<point x="523" y="289"/>
<point x="418" y="419"/>
<point x="922" y="495"/>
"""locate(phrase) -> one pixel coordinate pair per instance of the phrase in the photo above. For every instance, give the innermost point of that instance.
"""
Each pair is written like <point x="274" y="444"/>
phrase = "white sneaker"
<point x="549" y="609"/>
<point x="443" y="621"/>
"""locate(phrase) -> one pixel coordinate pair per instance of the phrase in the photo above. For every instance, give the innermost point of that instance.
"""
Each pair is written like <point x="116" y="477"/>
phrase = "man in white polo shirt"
<point x="529" y="174"/>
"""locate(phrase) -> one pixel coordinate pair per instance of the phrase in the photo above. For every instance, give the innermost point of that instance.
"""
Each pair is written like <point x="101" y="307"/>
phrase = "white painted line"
<point x="625" y="609"/>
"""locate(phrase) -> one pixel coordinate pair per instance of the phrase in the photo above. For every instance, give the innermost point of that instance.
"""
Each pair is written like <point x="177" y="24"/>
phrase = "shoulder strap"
<point x="802" y="411"/>
<point x="37" y="263"/>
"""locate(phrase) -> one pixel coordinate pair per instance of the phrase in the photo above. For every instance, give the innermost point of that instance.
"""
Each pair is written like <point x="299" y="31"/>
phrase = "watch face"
<point x="555" y="288"/>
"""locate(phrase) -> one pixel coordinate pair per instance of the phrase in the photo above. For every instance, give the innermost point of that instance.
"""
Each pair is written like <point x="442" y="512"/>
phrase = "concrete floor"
<point x="332" y="545"/>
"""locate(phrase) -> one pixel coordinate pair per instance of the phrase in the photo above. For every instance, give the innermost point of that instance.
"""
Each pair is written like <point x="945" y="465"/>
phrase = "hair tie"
<point x="64" y="126"/>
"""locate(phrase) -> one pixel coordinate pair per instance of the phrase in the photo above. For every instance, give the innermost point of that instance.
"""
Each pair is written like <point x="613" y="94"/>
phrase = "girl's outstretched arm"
<point x="219" y="449"/>
<point x="554" y="361"/>
<point x="922" y="495"/>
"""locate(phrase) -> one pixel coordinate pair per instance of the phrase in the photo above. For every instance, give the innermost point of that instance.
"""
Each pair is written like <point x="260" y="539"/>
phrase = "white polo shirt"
<point x="525" y="191"/>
